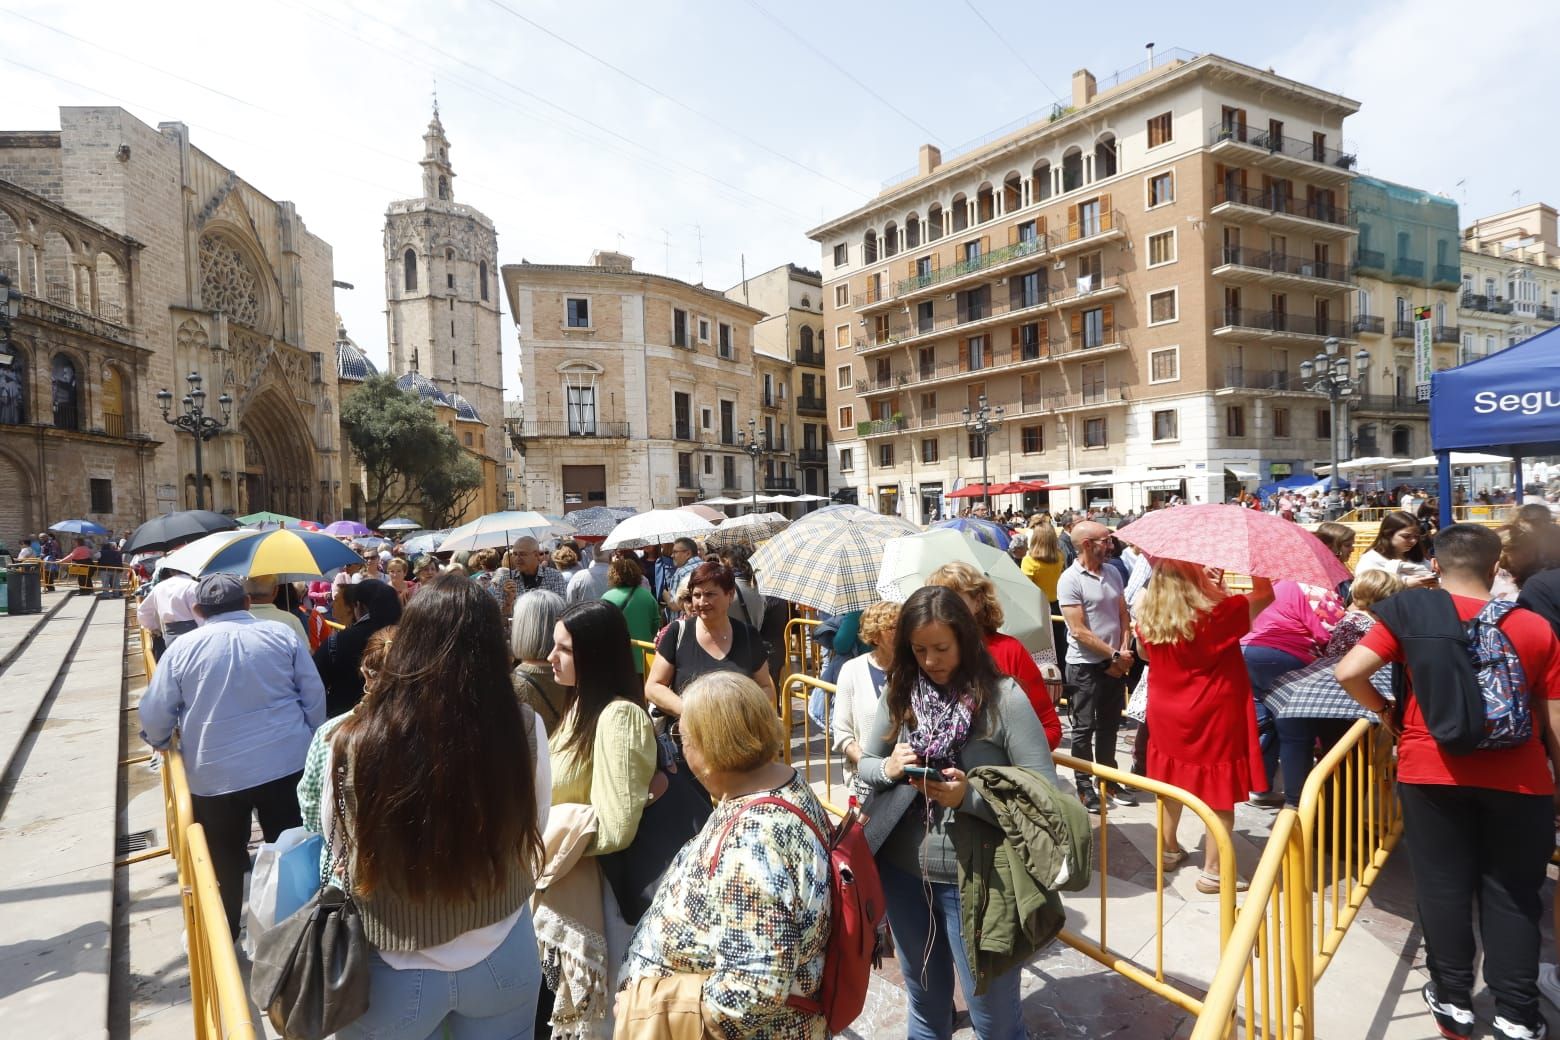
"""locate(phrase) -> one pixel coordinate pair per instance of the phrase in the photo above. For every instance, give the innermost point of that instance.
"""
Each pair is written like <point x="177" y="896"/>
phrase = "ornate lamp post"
<point x="983" y="422"/>
<point x="1329" y="373"/>
<point x="194" y="421"/>
<point x="747" y="441"/>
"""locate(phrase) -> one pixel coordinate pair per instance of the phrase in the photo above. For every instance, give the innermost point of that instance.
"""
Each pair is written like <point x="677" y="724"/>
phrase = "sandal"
<point x="1208" y="884"/>
<point x="1172" y="860"/>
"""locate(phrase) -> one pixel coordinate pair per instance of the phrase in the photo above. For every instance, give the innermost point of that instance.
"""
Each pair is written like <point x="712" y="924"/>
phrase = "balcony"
<point x="1447" y="334"/>
<point x="1404" y="267"/>
<point x="1488" y="304"/>
<point x="1402" y="330"/>
<point x="682" y="340"/>
<point x="683" y="432"/>
<point x="1283" y="211"/>
<point x="1242" y="378"/>
<point x="806" y="405"/>
<point x="1277" y="152"/>
<point x="114" y="424"/>
<point x="1099" y="287"/>
<point x="810" y="358"/>
<point x="812" y="457"/>
<point x="1240" y="264"/>
<point x="961" y="273"/>
<point x="1370" y="261"/>
<point x="770" y="400"/>
<point x="106" y="325"/>
<point x="780" y="484"/>
<point x="1446" y="276"/>
<point x="1278" y="324"/>
<point x="1103" y="227"/>
<point x="1373" y="324"/>
<point x="1388" y="404"/>
<point x="529" y="429"/>
<point x="906" y="333"/>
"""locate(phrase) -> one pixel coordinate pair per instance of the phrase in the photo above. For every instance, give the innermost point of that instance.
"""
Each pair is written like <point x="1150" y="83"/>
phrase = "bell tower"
<point x="438" y="175"/>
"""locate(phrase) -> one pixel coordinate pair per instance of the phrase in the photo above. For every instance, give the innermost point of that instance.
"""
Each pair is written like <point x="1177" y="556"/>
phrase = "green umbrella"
<point x="266" y="517"/>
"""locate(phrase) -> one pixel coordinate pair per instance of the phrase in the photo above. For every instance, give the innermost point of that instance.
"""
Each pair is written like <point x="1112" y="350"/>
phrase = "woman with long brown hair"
<point x="443" y="783"/>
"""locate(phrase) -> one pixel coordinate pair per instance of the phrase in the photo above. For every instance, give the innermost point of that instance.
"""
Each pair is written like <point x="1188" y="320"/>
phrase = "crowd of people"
<point x="519" y="797"/>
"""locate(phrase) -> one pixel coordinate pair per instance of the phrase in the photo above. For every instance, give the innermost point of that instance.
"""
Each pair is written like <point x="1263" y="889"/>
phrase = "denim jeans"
<point x="1297" y="739"/>
<point x="925" y="919"/>
<point x="1263" y="666"/>
<point x="494" y="999"/>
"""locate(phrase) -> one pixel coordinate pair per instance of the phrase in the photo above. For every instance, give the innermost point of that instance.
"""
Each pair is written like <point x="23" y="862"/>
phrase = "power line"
<point x="676" y="101"/>
<point x="1011" y="49"/>
<point x="843" y="71"/>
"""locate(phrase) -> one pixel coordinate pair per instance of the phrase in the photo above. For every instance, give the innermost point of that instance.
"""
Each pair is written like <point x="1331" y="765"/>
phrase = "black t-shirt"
<point x="680" y="646"/>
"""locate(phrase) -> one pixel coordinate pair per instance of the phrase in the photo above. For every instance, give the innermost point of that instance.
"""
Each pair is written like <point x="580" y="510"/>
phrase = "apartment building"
<point x="1510" y="279"/>
<point x="789" y="365"/>
<point x="1406" y="263"/>
<point x="638" y="387"/>
<point x="1133" y="278"/>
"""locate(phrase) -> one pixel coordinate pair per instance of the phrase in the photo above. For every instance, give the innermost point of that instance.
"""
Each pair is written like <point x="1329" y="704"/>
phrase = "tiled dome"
<point x="351" y="363"/>
<point x="423" y="386"/>
<point x="463" y="408"/>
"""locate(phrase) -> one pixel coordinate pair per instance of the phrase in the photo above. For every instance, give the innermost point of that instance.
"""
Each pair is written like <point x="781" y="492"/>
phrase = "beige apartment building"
<point x="639" y="388"/>
<point x="1510" y="279"/>
<point x="789" y="359"/>
<point x="1134" y="279"/>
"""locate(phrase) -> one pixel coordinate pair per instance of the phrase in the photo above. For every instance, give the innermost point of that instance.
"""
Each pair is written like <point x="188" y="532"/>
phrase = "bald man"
<point x="528" y="572"/>
<point x="1099" y="655"/>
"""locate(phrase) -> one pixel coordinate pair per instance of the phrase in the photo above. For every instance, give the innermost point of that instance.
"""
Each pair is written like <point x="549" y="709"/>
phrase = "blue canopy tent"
<point x="1293" y="483"/>
<point x="1507" y="403"/>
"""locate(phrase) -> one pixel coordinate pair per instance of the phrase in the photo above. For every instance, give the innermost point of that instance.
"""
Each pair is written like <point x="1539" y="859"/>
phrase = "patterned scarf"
<point x="943" y="720"/>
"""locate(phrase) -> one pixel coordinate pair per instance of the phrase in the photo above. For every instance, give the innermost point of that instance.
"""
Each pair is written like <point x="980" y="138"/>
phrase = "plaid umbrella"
<point x="1311" y="692"/>
<point x="749" y="529"/>
<point x="828" y="560"/>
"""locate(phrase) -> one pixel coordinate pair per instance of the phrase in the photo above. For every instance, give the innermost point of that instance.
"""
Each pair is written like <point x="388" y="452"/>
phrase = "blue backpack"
<point x="1508" y="717"/>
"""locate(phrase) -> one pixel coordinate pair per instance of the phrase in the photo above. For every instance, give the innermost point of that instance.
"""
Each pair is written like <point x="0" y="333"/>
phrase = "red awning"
<point x="969" y="491"/>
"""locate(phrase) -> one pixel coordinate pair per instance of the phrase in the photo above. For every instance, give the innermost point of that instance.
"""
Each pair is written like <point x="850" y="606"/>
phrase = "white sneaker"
<point x="1549" y="983"/>
<point x="1511" y="1031"/>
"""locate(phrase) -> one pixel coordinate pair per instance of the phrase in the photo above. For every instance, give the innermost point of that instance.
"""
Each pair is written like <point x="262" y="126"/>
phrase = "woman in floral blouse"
<point x="746" y="901"/>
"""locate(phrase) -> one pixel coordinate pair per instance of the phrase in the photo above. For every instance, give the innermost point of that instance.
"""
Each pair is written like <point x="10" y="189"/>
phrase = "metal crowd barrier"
<point x="648" y="649"/>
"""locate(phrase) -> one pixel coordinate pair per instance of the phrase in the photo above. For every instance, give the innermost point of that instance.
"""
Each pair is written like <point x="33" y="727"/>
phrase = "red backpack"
<point x="856" y="924"/>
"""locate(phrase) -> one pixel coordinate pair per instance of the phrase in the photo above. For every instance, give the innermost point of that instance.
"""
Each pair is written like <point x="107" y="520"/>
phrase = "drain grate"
<point x="129" y="844"/>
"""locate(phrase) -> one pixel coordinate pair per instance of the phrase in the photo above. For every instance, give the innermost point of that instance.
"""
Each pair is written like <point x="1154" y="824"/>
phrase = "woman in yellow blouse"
<point x="1043" y="564"/>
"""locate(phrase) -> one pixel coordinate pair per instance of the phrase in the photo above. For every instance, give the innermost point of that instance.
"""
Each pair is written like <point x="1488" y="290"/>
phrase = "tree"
<point x="410" y="457"/>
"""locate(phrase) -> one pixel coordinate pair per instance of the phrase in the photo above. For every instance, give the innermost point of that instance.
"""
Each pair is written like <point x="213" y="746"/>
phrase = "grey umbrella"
<point x="163" y="532"/>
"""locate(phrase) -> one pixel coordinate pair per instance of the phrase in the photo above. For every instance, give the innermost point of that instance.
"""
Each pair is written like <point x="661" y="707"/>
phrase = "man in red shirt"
<point x="1478" y="826"/>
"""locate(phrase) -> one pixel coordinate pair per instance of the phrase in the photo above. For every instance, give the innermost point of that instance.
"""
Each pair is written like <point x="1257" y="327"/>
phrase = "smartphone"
<point x="923" y="773"/>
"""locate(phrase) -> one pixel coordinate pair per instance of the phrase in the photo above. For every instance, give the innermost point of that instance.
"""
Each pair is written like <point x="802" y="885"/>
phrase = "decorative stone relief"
<point x="227" y="283"/>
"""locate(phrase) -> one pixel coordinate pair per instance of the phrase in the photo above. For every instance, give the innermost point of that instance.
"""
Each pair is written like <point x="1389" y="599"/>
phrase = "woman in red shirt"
<point x="1012" y="659"/>
<point x="1200" y="708"/>
<point x="1476" y="825"/>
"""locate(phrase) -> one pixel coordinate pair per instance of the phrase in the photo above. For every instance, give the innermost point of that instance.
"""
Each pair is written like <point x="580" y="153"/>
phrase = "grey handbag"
<point x="311" y="971"/>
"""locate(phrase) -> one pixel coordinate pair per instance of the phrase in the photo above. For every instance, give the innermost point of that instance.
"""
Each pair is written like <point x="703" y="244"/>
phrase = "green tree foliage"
<point x="410" y="457"/>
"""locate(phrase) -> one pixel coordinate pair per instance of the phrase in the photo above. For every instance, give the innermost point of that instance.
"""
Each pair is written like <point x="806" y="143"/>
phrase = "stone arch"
<point x="1012" y="191"/>
<point x="112" y="288"/>
<point x="279" y="471"/>
<point x="11" y="224"/>
<point x="67" y="391"/>
<point x="961" y="211"/>
<point x="409" y="270"/>
<point x="912" y="230"/>
<point x="236" y="279"/>
<point x="118" y="400"/>
<point x="19" y="498"/>
<point x="934" y="222"/>
<point x="1105" y="155"/>
<point x="59" y="270"/>
<point x="16" y="384"/>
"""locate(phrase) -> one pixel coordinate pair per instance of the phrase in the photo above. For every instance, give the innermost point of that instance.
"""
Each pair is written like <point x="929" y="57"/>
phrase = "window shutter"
<point x="985" y="244"/>
<point x="1043" y="331"/>
<point x="1108" y="322"/>
<point x="961" y="306"/>
<point x="936" y="262"/>
<point x="1013" y="234"/>
<point x="1072" y="223"/>
<point x="910" y="269"/>
<point x="964" y="355"/>
<point x="1075" y="321"/>
<point x="1040" y="226"/>
<point x="1014" y="347"/>
<point x="1106" y="214"/>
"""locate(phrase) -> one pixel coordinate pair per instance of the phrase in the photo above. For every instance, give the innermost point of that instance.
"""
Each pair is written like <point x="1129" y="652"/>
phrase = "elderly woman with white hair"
<point x="531" y="642"/>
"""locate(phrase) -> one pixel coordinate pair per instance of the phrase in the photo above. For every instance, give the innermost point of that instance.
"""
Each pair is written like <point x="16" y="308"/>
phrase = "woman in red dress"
<point x="1200" y="709"/>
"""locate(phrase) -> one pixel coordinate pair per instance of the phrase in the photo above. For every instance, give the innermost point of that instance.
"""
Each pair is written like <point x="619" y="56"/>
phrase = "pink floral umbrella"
<point x="1241" y="540"/>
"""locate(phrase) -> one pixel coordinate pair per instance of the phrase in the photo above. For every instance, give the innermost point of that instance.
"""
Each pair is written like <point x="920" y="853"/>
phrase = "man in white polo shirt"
<point x="1099" y="655"/>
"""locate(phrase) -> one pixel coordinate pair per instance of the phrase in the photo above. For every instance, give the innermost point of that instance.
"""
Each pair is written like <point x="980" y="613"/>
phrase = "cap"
<point x="220" y="592"/>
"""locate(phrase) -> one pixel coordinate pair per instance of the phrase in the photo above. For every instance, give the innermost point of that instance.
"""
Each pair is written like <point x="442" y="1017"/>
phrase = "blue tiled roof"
<point x="423" y="386"/>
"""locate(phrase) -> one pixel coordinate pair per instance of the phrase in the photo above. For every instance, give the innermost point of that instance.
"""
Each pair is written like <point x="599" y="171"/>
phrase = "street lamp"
<point x="747" y="440"/>
<point x="1329" y="373"/>
<point x="194" y="421"/>
<point x="983" y="422"/>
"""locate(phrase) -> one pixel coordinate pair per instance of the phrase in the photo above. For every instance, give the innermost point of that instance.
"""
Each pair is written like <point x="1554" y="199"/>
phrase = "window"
<point x="1033" y="439"/>
<point x="482" y="275"/>
<point x="885" y="455"/>
<point x="1161" y="188"/>
<point x="685" y="469"/>
<point x="581" y="410"/>
<point x="726" y="349"/>
<point x="842" y="379"/>
<point x="709" y="465"/>
<point x="578" y="313"/>
<point x="969" y="252"/>
<point x="1161" y="248"/>
<point x="682" y="416"/>
<point x="706" y="419"/>
<point x="1167" y="425"/>
<point x="1323" y="424"/>
<point x="1281" y="422"/>
<point x="847" y="460"/>
<point x="704" y="330"/>
<point x="1162" y="307"/>
<point x="1160" y="129"/>
<point x="1091" y="378"/>
<point x="847" y="420"/>
<point x="977" y="446"/>
<point x="409" y="276"/>
<point x="1093" y="327"/>
<point x="1235" y="421"/>
<point x="1027" y="290"/>
<point x="728" y="472"/>
<point x="65" y="393"/>
<point x="1088" y="218"/>
<point x="102" y="493"/>
<point x="1164" y="366"/>
<point x="680" y="328"/>
<point x="841" y="337"/>
<point x="929" y="449"/>
<point x="728" y="422"/>
<point x="929" y="406"/>
<point x="1028" y="233"/>
<point x="925" y="316"/>
<point x="1094" y="432"/>
<point x="977" y="353"/>
<point x="468" y="440"/>
<point x="449" y="280"/>
<point x="842" y="296"/>
<point x="13" y="387"/>
<point x="841" y="254"/>
<point x="1029" y="341"/>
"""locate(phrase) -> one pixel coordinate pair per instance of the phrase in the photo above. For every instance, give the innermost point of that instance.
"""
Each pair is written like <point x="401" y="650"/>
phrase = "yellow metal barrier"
<point x="799" y="687"/>
<point x="648" y="649"/>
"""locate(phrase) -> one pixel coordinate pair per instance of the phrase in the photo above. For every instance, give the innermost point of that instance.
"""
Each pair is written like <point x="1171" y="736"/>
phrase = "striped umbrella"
<point x="289" y="554"/>
<point x="828" y="560"/>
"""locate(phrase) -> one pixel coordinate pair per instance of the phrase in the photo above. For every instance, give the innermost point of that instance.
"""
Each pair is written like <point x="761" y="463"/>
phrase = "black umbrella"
<point x="164" y="532"/>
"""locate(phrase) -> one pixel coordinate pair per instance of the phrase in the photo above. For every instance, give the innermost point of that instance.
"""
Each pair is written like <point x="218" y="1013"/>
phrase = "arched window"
<point x="409" y="261"/>
<point x="13" y="387"/>
<point x="444" y="188"/>
<point x="806" y="303"/>
<point x="482" y="276"/>
<point x="806" y="344"/>
<point x="66" y="394"/>
<point x="113" y="402"/>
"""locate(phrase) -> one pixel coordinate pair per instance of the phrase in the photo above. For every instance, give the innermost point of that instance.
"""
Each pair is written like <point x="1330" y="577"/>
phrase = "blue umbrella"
<point x="988" y="532"/>
<point x="425" y="543"/>
<point x="78" y="527"/>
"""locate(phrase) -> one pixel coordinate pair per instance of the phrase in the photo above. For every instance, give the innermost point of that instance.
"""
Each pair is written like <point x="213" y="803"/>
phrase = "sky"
<point x="704" y="137"/>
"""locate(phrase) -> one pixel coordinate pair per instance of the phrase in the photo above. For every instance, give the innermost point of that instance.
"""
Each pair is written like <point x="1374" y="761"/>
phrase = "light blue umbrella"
<point x="427" y="542"/>
<point x="78" y="527"/>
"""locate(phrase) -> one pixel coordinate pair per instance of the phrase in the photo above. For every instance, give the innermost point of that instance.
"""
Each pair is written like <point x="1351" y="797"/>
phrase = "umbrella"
<point x="301" y="525"/>
<point x="1465" y="458"/>
<point x="829" y="559"/>
<point x="289" y="554"/>
<point x="600" y="527"/>
<point x="749" y="529"/>
<point x="1241" y="540"/>
<point x="909" y="561"/>
<point x="969" y="491"/>
<point x="370" y="542"/>
<point x="705" y="512"/>
<point x="988" y="531"/>
<point x="427" y="542"/>
<point x="267" y="517"/>
<point x="164" y="531"/>
<point x="401" y="523"/>
<point x="1311" y="692"/>
<point x="78" y="527"/>
<point x="348" y="529"/>
<point x="655" y="528"/>
<point x="600" y="512"/>
<point x="496" y="530"/>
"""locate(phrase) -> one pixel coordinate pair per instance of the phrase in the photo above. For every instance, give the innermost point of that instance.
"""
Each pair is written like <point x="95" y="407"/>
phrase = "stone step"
<point x="57" y="828"/>
<point x="30" y="678"/>
<point x="17" y="630"/>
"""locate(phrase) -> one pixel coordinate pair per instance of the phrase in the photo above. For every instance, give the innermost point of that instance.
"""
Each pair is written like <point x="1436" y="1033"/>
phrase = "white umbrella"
<point x="401" y="523"/>
<point x="1466" y="458"/>
<point x="495" y="530"/>
<point x="1373" y="462"/>
<point x="718" y="500"/>
<point x="656" y="527"/>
